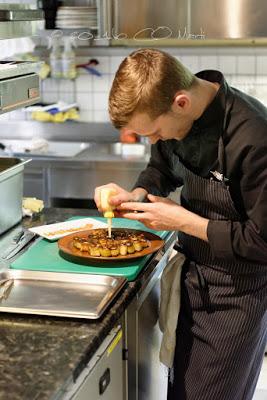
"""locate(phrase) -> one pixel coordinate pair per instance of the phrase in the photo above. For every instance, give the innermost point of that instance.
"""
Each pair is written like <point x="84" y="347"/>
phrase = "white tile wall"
<point x="246" y="65"/>
<point x="101" y="83"/>
<point x="84" y="83"/>
<point x="208" y="62"/>
<point x="244" y="68"/>
<point x="227" y="64"/>
<point x="114" y="63"/>
<point x="100" y="101"/>
<point x="85" y="100"/>
<point x="261" y="65"/>
<point x="191" y="62"/>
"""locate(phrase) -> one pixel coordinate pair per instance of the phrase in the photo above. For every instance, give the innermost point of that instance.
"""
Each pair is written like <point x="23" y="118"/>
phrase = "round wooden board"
<point x="65" y="245"/>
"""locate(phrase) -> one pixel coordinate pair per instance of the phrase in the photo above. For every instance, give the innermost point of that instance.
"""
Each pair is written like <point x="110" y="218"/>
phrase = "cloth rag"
<point x="169" y="307"/>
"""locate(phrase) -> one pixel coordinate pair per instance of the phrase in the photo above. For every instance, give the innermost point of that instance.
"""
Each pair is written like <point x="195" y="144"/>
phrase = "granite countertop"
<point x="40" y="355"/>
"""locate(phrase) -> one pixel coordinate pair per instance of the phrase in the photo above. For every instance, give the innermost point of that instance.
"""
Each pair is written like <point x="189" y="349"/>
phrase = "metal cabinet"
<point x="102" y="379"/>
<point x="147" y="377"/>
<point x="35" y="182"/>
<point x="78" y="181"/>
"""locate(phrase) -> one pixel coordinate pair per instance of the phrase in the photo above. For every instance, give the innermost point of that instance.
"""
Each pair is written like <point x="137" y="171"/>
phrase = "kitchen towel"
<point x="169" y="307"/>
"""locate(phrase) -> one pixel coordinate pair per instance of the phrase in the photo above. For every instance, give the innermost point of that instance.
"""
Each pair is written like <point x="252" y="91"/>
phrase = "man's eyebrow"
<point x="152" y="133"/>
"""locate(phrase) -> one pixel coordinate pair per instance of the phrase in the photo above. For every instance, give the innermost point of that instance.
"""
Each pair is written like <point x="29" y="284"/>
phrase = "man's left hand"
<point x="164" y="214"/>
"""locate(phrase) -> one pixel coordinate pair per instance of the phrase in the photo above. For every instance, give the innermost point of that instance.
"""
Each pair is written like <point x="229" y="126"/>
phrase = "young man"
<point x="212" y="139"/>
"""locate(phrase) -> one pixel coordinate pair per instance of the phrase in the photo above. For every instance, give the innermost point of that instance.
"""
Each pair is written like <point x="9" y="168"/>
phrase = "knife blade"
<point x="26" y="238"/>
<point x="16" y="239"/>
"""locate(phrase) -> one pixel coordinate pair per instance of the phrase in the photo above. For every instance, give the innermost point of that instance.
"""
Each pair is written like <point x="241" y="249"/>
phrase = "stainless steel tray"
<point x="58" y="294"/>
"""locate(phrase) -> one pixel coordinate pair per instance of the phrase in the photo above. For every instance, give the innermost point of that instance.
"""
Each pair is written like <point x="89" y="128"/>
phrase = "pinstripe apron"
<point x="222" y="325"/>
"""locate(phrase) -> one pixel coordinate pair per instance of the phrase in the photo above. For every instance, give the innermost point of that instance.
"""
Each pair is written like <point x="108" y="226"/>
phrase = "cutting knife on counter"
<point x="19" y="242"/>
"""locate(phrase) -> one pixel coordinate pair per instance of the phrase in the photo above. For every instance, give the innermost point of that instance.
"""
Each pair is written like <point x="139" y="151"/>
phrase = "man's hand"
<point x="122" y="195"/>
<point x="165" y="214"/>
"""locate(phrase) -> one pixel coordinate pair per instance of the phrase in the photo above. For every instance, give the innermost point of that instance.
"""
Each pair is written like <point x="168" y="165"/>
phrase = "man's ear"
<point x="181" y="101"/>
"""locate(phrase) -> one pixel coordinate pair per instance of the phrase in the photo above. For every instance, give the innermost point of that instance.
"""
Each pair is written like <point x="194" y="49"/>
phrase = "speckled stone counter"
<point x="40" y="355"/>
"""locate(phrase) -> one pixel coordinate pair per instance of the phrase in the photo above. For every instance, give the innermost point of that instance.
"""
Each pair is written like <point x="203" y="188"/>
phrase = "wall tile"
<point x="261" y="65"/>
<point x="191" y="62"/>
<point x="101" y="83"/>
<point x="227" y="64"/>
<point x="84" y="83"/>
<point x="114" y="63"/>
<point x="101" y="116"/>
<point x="50" y="97"/>
<point x="86" y="116"/>
<point x="208" y="62"/>
<point x="246" y="64"/>
<point x="66" y="85"/>
<point x="51" y="84"/>
<point x="103" y="65"/>
<point x="100" y="101"/>
<point x="261" y="79"/>
<point x="84" y="101"/>
<point x="67" y="97"/>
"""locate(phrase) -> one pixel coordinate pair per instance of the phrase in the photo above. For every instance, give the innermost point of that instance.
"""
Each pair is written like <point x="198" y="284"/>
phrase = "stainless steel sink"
<point x="119" y="149"/>
<point x="53" y="149"/>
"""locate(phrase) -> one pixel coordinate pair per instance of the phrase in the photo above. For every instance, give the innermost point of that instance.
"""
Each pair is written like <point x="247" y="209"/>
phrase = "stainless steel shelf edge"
<point x="17" y="29"/>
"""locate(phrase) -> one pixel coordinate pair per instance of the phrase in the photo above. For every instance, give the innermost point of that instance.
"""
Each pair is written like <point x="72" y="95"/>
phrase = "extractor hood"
<point x="19" y="20"/>
<point x="187" y="20"/>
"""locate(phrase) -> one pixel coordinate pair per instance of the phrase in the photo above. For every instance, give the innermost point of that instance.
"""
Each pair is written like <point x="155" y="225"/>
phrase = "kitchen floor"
<point x="261" y="390"/>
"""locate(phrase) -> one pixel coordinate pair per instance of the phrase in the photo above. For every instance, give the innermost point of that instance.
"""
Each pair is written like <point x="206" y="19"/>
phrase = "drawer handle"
<point x="104" y="381"/>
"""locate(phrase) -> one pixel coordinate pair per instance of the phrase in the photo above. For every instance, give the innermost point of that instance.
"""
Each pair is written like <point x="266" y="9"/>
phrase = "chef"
<point x="211" y="140"/>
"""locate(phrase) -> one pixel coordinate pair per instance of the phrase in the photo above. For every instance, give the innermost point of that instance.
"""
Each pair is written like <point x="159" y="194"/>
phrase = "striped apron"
<point x="222" y="325"/>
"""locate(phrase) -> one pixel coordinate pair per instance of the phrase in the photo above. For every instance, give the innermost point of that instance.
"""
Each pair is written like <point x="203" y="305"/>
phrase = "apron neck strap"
<point x="229" y="99"/>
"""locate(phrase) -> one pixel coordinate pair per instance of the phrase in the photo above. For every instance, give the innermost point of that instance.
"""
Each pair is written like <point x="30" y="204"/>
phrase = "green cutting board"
<point x="44" y="256"/>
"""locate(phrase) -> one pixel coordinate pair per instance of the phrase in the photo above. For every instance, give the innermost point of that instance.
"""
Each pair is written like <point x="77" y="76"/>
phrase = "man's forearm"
<point x="194" y="225"/>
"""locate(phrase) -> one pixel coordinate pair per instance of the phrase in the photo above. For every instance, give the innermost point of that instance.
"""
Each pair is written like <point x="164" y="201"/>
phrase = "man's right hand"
<point x="122" y="196"/>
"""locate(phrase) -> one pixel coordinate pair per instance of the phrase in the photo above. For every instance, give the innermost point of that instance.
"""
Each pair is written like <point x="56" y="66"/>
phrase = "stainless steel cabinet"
<point x="76" y="181"/>
<point x="102" y="379"/>
<point x="35" y="182"/>
<point x="147" y="377"/>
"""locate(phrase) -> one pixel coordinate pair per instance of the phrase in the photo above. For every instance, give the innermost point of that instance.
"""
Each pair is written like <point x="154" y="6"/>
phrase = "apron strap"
<point x="229" y="99"/>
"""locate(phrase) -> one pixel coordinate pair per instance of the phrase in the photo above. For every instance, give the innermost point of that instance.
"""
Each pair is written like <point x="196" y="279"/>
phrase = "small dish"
<point x="56" y="231"/>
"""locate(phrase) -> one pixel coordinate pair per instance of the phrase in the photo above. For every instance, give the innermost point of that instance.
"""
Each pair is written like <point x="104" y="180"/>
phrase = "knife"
<point x="24" y="240"/>
<point x="18" y="236"/>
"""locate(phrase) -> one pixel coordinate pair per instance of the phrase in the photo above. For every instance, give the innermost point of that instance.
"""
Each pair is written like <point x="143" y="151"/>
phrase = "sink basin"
<point x="120" y="149"/>
<point x="53" y="149"/>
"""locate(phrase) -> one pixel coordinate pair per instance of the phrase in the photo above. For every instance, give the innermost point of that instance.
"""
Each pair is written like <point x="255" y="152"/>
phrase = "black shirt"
<point x="245" y="142"/>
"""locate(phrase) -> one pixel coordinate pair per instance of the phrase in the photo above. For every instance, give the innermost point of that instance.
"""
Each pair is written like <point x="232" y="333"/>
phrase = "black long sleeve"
<point x="158" y="177"/>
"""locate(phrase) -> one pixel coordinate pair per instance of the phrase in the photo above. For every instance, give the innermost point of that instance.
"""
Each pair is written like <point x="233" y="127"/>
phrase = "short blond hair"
<point x="146" y="81"/>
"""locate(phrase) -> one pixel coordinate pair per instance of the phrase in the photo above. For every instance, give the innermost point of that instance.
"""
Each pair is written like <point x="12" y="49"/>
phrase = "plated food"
<point x="98" y="243"/>
<point x="95" y="245"/>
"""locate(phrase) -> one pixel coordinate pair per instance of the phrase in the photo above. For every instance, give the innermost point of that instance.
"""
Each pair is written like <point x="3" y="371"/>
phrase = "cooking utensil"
<point x="5" y="287"/>
<point x="66" y="247"/>
<point x="15" y="240"/>
<point x="22" y="242"/>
